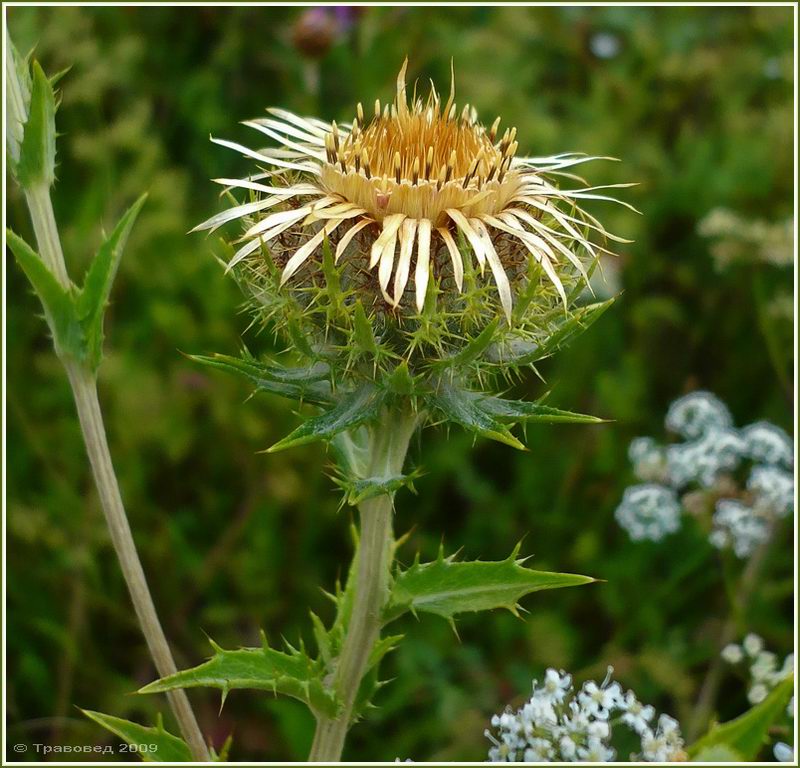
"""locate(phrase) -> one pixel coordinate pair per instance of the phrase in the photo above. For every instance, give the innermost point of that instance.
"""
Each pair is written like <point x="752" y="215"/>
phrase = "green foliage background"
<point x="697" y="104"/>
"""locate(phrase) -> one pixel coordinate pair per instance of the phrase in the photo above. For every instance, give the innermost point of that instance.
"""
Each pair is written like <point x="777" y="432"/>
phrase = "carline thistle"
<point x="418" y="192"/>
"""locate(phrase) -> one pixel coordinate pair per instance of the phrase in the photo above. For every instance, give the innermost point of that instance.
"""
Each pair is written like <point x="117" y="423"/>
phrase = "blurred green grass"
<point x="696" y="102"/>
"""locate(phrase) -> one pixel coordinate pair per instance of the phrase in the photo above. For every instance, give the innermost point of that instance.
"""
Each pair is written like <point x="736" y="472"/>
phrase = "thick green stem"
<point x="84" y="390"/>
<point x="388" y="448"/>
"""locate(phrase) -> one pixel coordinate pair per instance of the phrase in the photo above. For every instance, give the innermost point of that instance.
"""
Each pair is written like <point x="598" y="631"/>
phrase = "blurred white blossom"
<point x="738" y="239"/>
<point x="737" y="526"/>
<point x="703" y="460"/>
<point x="649" y="459"/>
<point x="773" y="488"/>
<point x="692" y="415"/>
<point x="766" y="443"/>
<point x="739" y="481"/>
<point x="649" y="512"/>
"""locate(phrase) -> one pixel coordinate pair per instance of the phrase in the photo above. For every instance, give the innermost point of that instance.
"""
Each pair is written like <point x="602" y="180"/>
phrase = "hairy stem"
<point x="388" y="448"/>
<point x="84" y="389"/>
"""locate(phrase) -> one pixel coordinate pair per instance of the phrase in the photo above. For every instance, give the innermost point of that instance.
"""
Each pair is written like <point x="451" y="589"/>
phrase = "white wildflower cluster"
<point x="763" y="668"/>
<point x="559" y="724"/>
<point x="709" y="458"/>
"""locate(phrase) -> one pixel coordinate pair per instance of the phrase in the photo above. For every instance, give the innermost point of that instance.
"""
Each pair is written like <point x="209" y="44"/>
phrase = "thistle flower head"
<point x="411" y="259"/>
<point x="410" y="191"/>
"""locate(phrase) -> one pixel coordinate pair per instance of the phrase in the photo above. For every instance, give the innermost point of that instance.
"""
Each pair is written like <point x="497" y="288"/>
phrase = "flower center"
<point x="421" y="160"/>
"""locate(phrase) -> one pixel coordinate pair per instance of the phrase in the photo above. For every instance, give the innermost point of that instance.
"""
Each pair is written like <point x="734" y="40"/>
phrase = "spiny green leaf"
<point x="746" y="735"/>
<point x="58" y="304"/>
<point x="354" y="408"/>
<point x="293" y="674"/>
<point x="224" y="751"/>
<point x="37" y="159"/>
<point x="362" y="330"/>
<point x="307" y="384"/>
<point x="522" y="410"/>
<point x="568" y="328"/>
<point x="357" y="490"/>
<point x="383" y="646"/>
<point x="474" y="349"/>
<point x="447" y="587"/>
<point x="488" y="416"/>
<point x="299" y="339"/>
<point x="167" y="748"/>
<point x="464" y="408"/>
<point x="92" y="299"/>
<point x="329" y="270"/>
<point x="400" y="381"/>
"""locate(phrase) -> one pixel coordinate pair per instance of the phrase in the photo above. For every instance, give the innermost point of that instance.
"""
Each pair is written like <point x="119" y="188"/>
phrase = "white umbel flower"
<point x="559" y="724"/>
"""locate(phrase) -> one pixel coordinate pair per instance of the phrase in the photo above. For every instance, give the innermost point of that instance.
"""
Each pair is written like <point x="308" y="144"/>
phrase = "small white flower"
<point x="768" y="444"/>
<point x="719" y="539"/>
<point x="696" y="413"/>
<point x="636" y="715"/>
<point x="773" y="488"/>
<point x="649" y="459"/>
<point x="599" y="729"/>
<point x="669" y="726"/>
<point x="604" y="45"/>
<point x="598" y="701"/>
<point x="764" y="666"/>
<point x="665" y="744"/>
<point x="732" y="653"/>
<point x="556" y="685"/>
<point x="568" y="748"/>
<point x="596" y="752"/>
<point x="783" y="753"/>
<point x="648" y="512"/>
<point x="757" y="693"/>
<point x="743" y="526"/>
<point x="753" y="644"/>
<point x="703" y="460"/>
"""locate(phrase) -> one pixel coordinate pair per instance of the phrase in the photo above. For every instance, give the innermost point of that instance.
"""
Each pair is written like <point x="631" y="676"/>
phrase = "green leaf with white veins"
<point x="293" y="673"/>
<point x="491" y="416"/>
<point x="307" y="384"/>
<point x="153" y="745"/>
<point x="352" y="410"/>
<point x="447" y="587"/>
